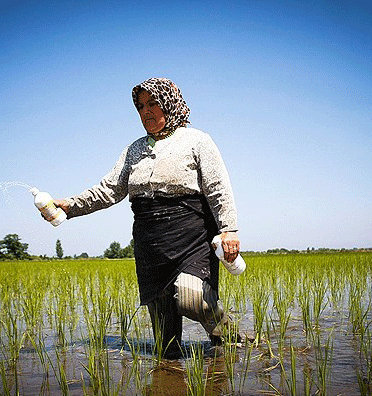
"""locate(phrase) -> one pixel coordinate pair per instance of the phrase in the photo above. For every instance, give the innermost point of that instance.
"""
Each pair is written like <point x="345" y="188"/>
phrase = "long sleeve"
<point x="215" y="184"/>
<point x="112" y="189"/>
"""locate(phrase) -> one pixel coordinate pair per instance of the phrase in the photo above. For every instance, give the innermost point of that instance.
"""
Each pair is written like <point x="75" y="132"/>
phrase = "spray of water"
<point x="14" y="204"/>
<point x="17" y="211"/>
<point x="4" y="187"/>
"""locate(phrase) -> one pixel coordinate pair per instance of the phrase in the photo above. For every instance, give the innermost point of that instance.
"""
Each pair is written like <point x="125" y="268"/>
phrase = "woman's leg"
<point x="198" y="301"/>
<point x="166" y="324"/>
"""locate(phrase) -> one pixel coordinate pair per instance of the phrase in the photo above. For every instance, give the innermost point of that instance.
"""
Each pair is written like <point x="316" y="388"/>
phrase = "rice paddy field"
<point x="75" y="327"/>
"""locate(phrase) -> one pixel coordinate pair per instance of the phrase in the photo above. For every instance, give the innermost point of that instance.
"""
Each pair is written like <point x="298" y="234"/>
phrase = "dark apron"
<point x="172" y="235"/>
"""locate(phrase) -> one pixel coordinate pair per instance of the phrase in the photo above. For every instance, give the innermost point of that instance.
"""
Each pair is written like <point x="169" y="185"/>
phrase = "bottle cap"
<point x="34" y="191"/>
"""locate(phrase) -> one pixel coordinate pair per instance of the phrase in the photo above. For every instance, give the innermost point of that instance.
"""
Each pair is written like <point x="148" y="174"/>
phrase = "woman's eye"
<point x="152" y="103"/>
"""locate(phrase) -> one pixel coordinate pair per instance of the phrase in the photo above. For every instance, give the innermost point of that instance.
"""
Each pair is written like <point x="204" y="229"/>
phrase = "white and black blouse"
<point x="185" y="163"/>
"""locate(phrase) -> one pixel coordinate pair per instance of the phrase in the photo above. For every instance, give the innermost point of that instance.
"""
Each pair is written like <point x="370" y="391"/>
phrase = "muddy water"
<point x="261" y="377"/>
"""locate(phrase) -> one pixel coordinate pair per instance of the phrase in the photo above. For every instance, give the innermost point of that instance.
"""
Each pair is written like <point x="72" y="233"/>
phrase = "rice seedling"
<point x="100" y="373"/>
<point x="282" y="306"/>
<point x="361" y="325"/>
<point x="260" y="301"/>
<point x="268" y="341"/>
<point x="291" y="382"/>
<point x="337" y="283"/>
<point x="307" y="380"/>
<point x="196" y="381"/>
<point x="142" y="366"/>
<point x="13" y="333"/>
<point x="230" y="352"/>
<point x="323" y="360"/>
<point x="304" y="302"/>
<point x="245" y="360"/>
<point x="6" y="387"/>
<point x="364" y="374"/>
<point x="358" y="311"/>
<point x="135" y="366"/>
<point x="60" y="318"/>
<point x="319" y="292"/>
<point x="58" y="367"/>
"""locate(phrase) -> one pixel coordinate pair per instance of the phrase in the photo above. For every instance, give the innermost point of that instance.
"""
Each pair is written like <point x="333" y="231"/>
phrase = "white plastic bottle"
<point x="45" y="203"/>
<point x="237" y="266"/>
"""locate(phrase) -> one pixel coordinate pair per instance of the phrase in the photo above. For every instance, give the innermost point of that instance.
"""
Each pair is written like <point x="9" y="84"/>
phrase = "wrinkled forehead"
<point x="144" y="96"/>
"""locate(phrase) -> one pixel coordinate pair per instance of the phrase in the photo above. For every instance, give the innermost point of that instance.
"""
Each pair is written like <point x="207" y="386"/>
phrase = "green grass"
<point x="298" y="307"/>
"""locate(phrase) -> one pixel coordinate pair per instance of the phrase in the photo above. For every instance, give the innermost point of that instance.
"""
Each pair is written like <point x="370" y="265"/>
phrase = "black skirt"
<point x="172" y="235"/>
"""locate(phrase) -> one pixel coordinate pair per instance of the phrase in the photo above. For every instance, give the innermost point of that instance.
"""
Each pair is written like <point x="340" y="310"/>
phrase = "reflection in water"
<point x="217" y="379"/>
<point x="169" y="378"/>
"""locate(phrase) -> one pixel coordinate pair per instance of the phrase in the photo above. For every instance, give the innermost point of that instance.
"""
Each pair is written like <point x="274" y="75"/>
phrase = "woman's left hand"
<point x="231" y="245"/>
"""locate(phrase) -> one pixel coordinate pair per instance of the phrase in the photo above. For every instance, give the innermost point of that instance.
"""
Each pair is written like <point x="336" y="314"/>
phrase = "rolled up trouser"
<point x="197" y="300"/>
<point x="191" y="297"/>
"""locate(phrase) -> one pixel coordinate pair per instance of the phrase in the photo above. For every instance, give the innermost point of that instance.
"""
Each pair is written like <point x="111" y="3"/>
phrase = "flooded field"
<point x="76" y="328"/>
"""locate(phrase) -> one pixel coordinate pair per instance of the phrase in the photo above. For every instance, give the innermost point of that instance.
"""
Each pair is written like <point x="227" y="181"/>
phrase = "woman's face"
<point x="151" y="114"/>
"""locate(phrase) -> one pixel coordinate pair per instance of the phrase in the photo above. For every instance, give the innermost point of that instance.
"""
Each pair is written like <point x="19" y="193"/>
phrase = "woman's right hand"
<point x="61" y="203"/>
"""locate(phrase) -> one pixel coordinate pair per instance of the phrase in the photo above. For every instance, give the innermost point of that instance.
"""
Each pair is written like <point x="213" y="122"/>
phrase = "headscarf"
<point x="168" y="97"/>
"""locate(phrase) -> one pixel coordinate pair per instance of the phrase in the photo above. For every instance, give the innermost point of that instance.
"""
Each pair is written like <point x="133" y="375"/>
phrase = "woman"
<point x="181" y="197"/>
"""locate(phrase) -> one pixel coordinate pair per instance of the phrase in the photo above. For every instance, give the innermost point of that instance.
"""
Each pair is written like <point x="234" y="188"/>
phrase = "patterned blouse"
<point x="186" y="162"/>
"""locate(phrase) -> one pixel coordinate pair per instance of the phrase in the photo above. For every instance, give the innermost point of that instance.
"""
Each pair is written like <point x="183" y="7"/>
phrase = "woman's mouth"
<point x="148" y="118"/>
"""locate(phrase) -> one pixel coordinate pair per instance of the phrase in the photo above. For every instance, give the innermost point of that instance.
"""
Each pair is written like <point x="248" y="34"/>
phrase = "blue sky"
<point x="283" y="87"/>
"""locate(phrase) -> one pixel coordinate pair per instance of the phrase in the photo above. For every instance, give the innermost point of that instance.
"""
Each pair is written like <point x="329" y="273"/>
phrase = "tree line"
<point x="12" y="248"/>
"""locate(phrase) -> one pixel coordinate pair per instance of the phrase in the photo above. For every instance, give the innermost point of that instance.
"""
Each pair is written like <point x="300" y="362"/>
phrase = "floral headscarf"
<point x="168" y="97"/>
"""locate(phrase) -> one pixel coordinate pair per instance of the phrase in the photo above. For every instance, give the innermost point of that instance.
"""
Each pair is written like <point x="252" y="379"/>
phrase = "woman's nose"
<point x="145" y="109"/>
